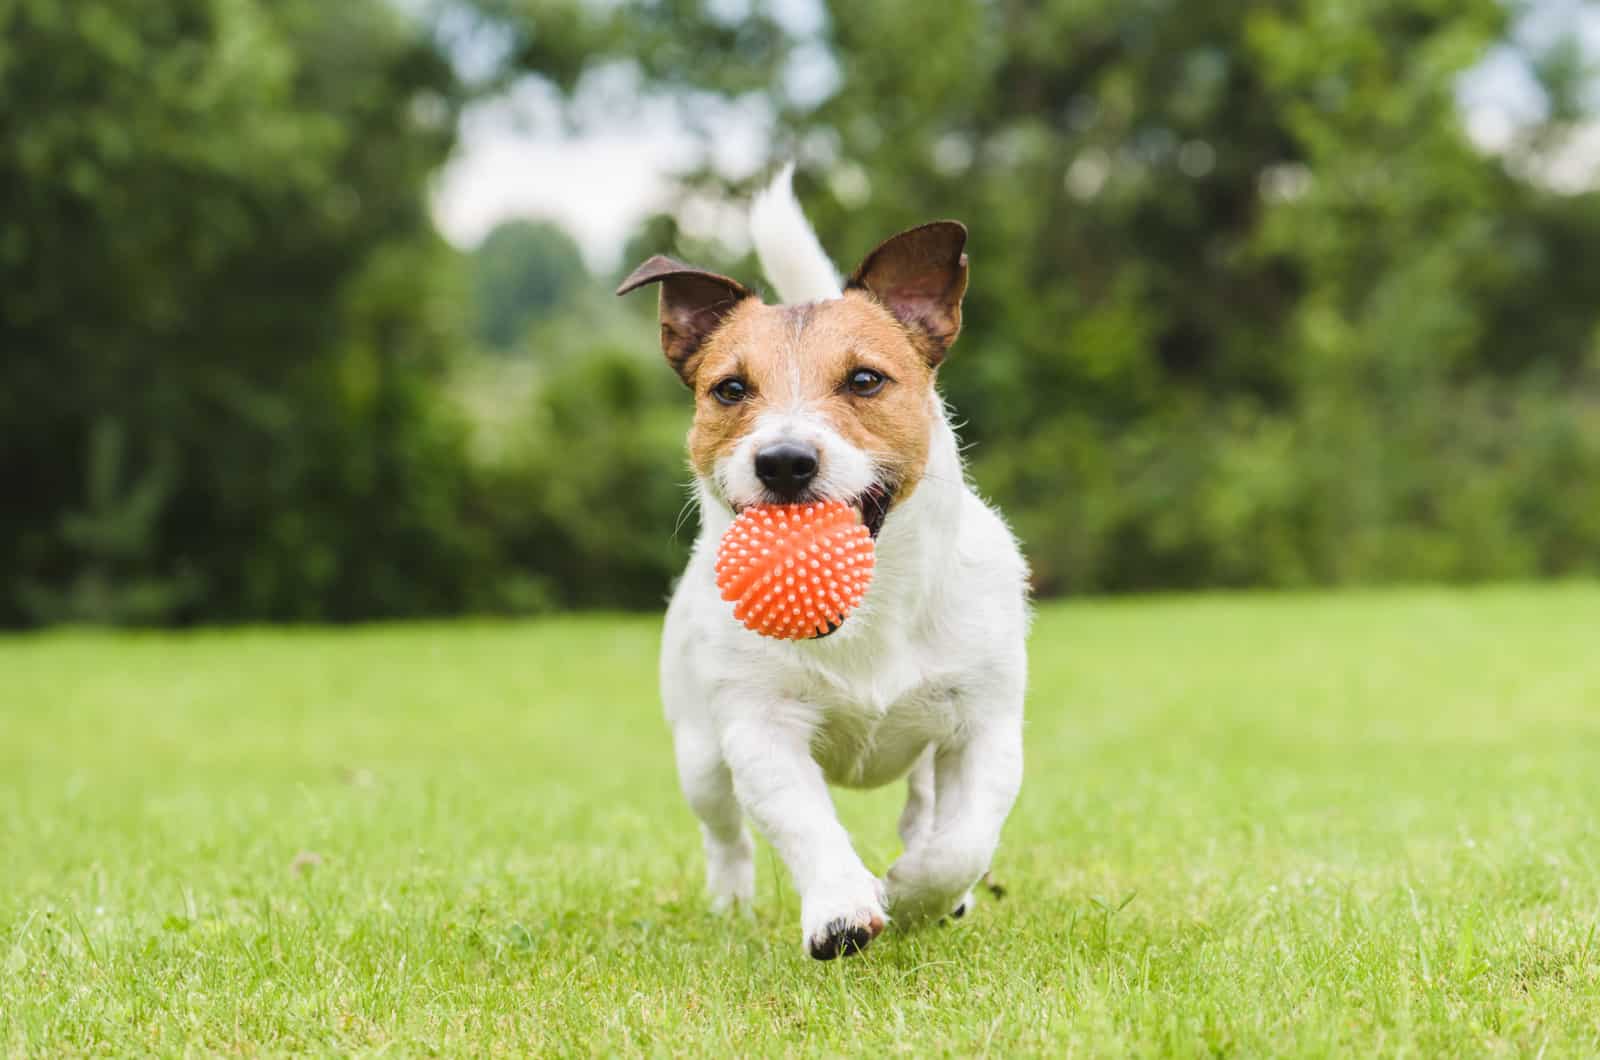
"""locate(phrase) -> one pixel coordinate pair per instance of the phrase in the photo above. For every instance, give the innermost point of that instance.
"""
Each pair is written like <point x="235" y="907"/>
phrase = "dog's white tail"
<point x="787" y="247"/>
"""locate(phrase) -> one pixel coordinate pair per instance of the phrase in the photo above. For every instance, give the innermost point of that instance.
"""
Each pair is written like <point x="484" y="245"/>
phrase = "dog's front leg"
<point x="782" y="789"/>
<point x="730" y="855"/>
<point x="975" y="785"/>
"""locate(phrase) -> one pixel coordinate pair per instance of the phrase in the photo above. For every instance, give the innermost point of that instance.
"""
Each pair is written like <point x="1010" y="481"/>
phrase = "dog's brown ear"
<point x="694" y="303"/>
<point x="920" y="276"/>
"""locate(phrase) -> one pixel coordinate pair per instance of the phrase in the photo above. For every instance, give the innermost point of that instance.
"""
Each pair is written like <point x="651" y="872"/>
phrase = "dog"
<point x="832" y="395"/>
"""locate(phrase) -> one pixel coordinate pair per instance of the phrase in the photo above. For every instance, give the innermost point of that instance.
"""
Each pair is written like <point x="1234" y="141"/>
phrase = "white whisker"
<point x="690" y="505"/>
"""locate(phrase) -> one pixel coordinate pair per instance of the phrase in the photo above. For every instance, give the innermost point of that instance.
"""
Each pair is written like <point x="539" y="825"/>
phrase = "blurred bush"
<point x="1248" y="306"/>
<point x="585" y="483"/>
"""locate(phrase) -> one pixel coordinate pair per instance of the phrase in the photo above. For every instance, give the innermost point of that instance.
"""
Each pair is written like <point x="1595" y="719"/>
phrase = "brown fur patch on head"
<point x="802" y="356"/>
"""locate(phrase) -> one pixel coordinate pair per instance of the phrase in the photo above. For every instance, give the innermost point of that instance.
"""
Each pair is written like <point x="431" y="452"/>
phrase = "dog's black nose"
<point x="787" y="468"/>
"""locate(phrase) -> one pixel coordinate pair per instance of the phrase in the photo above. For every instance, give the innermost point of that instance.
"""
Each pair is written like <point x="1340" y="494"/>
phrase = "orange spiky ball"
<point x="795" y="571"/>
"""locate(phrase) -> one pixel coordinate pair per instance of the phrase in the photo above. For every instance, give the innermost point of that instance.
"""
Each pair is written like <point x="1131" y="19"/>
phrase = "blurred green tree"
<point x="114" y="528"/>
<point x="523" y="271"/>
<point x="215" y="237"/>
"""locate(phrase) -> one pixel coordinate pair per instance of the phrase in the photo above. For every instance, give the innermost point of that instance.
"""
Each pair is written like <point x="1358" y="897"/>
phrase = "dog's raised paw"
<point x="844" y="938"/>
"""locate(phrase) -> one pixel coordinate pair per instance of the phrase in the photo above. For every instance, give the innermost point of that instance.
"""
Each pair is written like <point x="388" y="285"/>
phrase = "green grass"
<point x="1335" y="825"/>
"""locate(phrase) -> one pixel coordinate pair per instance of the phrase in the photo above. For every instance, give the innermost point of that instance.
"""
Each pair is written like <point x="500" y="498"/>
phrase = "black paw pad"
<point x="841" y="940"/>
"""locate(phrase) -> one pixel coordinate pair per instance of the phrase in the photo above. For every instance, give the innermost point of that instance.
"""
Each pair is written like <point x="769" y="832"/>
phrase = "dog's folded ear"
<point x="920" y="276"/>
<point x="694" y="303"/>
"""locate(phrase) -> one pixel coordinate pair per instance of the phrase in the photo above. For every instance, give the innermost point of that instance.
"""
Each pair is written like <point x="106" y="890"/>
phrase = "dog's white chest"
<point x="870" y="727"/>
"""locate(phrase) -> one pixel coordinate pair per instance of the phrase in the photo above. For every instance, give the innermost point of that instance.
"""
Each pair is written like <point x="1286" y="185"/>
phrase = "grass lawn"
<point x="1336" y="825"/>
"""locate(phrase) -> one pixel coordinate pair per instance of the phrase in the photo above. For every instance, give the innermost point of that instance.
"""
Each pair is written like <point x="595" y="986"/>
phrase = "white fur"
<point x="926" y="678"/>
<point x="790" y="255"/>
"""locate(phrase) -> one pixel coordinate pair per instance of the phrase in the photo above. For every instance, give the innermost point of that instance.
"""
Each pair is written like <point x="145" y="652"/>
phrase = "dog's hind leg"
<point x="975" y="784"/>
<point x="707" y="784"/>
<point x="916" y="820"/>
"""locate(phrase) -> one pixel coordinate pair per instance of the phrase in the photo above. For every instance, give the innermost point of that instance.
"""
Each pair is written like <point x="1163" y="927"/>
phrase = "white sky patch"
<point x="1500" y="98"/>
<point x="515" y="160"/>
<point x="598" y="188"/>
<point x="598" y="185"/>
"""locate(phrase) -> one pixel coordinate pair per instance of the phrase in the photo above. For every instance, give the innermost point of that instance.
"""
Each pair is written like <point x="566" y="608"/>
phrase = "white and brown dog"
<point x="831" y="395"/>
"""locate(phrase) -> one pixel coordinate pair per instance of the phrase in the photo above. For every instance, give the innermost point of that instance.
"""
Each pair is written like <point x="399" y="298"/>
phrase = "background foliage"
<point x="1248" y="305"/>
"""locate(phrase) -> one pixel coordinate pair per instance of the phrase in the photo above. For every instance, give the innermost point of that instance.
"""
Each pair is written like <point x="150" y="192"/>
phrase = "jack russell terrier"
<point x="831" y="396"/>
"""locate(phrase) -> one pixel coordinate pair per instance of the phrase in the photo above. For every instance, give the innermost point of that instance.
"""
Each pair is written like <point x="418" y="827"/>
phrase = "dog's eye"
<point x="864" y="382"/>
<point x="730" y="391"/>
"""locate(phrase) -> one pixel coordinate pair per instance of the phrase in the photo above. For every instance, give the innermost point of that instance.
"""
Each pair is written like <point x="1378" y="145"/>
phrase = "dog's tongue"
<point x="795" y="571"/>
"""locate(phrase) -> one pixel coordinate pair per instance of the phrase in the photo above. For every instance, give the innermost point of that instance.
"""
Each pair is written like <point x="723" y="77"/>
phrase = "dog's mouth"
<point x="872" y="504"/>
